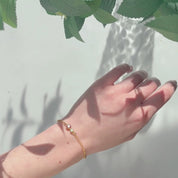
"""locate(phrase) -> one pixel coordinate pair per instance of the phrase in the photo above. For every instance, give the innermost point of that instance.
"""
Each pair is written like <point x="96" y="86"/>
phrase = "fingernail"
<point x="128" y="67"/>
<point x="143" y="73"/>
<point x="156" y="80"/>
<point x="131" y="68"/>
<point x="174" y="83"/>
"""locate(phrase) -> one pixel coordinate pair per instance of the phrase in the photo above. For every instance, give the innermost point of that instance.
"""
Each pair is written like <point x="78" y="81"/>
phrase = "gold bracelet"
<point x="69" y="128"/>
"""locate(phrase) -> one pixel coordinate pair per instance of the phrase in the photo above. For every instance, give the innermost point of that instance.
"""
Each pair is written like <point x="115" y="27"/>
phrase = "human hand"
<point x="108" y="114"/>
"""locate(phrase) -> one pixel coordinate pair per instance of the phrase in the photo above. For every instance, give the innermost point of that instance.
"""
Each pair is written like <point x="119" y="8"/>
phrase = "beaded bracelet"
<point x="72" y="132"/>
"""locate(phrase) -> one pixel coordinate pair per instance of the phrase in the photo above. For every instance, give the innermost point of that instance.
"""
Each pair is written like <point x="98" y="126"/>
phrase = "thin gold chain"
<point x="72" y="132"/>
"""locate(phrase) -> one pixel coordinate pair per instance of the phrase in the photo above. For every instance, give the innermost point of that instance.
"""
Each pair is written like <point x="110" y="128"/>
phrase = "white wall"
<point x="42" y="74"/>
<point x="38" y="64"/>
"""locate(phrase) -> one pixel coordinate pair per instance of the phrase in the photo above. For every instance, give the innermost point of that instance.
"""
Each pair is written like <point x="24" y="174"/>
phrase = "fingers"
<point x="145" y="89"/>
<point x="114" y="74"/>
<point x="155" y="101"/>
<point x="132" y="81"/>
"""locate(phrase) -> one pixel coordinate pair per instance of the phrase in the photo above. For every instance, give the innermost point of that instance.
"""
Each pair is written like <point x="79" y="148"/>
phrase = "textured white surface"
<point x="42" y="75"/>
<point x="41" y="72"/>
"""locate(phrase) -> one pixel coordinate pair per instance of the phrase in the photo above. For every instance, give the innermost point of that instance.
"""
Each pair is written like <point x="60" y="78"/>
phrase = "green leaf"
<point x="173" y="6"/>
<point x="170" y="0"/>
<point x="8" y="12"/>
<point x="94" y="5"/>
<point x="139" y="8"/>
<point x="104" y="17"/>
<point x="1" y="22"/>
<point x="108" y="5"/>
<point x="72" y="27"/>
<point x="166" y="25"/>
<point x="79" y="22"/>
<point x="67" y="7"/>
<point x="88" y="0"/>
<point x="164" y="10"/>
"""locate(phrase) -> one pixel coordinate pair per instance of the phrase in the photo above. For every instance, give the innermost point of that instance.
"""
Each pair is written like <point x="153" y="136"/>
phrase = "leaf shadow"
<point x="90" y="98"/>
<point x="40" y="149"/>
<point x="50" y="109"/>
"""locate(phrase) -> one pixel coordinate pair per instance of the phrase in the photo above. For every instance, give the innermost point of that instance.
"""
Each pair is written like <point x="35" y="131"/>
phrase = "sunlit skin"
<point x="107" y="114"/>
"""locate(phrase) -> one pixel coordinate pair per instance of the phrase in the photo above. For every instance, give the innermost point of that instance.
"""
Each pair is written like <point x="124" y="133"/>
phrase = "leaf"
<point x="139" y="8"/>
<point x="173" y="6"/>
<point x="170" y="0"/>
<point x="60" y="14"/>
<point x="72" y="26"/>
<point x="164" y="10"/>
<point x="166" y="25"/>
<point x="1" y="23"/>
<point x="79" y="22"/>
<point x="108" y="5"/>
<point x="67" y="7"/>
<point x="169" y="35"/>
<point x="8" y="12"/>
<point x="88" y="0"/>
<point x="104" y="17"/>
<point x="94" y="5"/>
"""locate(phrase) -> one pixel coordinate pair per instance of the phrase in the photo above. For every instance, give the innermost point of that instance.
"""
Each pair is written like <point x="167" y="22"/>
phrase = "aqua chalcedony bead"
<point x="71" y="131"/>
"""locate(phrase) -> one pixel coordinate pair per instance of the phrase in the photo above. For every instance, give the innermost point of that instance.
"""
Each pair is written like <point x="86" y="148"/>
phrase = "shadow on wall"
<point x="157" y="157"/>
<point x="148" y="156"/>
<point x="127" y="42"/>
<point x="50" y="111"/>
<point x="11" y="120"/>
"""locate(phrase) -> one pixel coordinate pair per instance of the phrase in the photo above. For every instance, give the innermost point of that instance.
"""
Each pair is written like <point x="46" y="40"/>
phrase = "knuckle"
<point x="139" y="117"/>
<point x="110" y="94"/>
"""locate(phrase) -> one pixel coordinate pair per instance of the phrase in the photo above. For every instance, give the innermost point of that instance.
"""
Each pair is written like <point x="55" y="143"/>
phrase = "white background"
<point x="42" y="74"/>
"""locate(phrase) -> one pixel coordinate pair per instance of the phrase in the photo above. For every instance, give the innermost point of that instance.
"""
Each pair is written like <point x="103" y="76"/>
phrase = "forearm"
<point x="42" y="156"/>
<point x="106" y="115"/>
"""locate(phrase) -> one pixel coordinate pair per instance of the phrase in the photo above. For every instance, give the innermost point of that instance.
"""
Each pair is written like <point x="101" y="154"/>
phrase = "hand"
<point x="108" y="114"/>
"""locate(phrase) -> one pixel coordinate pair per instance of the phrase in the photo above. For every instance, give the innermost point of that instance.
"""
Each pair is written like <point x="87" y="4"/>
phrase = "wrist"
<point x="83" y="132"/>
<point x="45" y="155"/>
<point x="66" y="143"/>
<point x="69" y="128"/>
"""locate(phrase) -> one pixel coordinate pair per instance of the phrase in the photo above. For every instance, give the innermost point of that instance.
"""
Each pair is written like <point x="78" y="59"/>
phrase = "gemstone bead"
<point x="68" y="126"/>
<point x="71" y="131"/>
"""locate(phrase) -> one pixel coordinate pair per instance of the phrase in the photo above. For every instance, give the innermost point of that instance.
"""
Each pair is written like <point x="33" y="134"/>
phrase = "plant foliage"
<point x="160" y="15"/>
<point x="75" y="12"/>
<point x="163" y="15"/>
<point x="8" y="13"/>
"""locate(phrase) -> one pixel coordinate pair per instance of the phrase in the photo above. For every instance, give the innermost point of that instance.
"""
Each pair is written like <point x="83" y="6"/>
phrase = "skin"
<point x="106" y="115"/>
